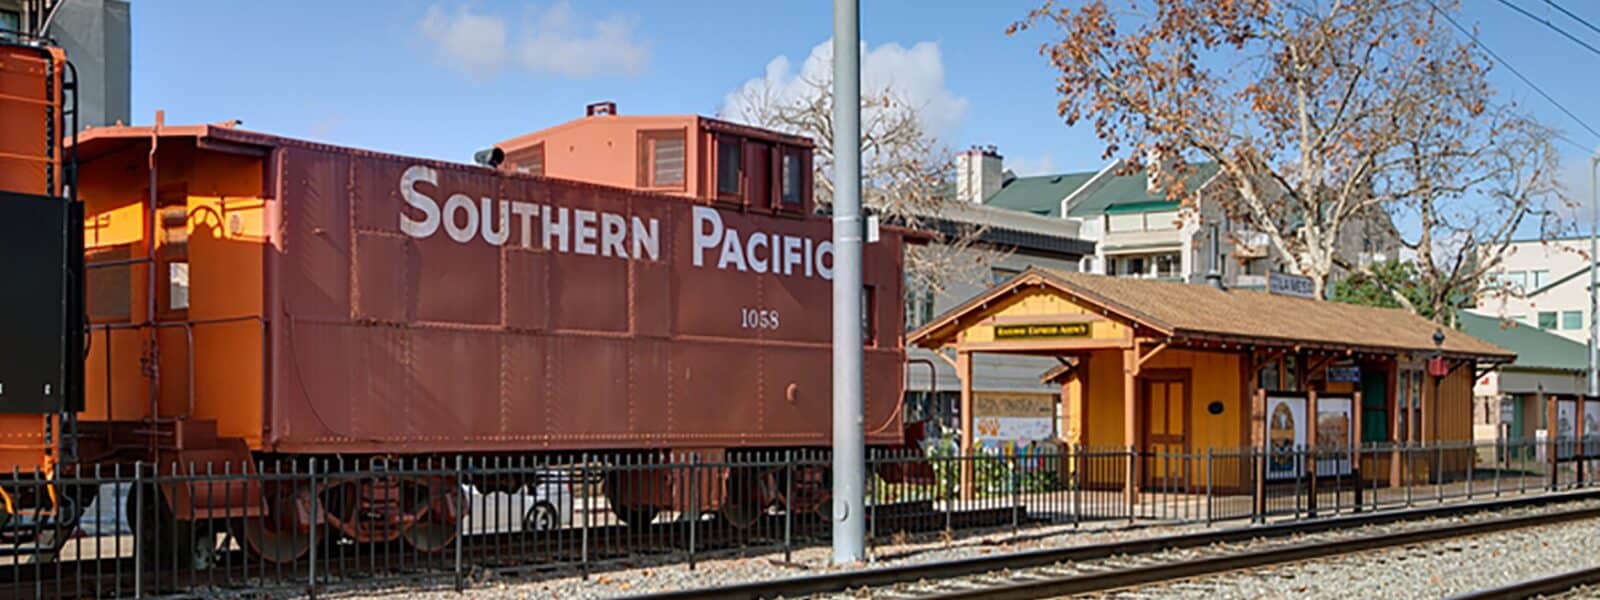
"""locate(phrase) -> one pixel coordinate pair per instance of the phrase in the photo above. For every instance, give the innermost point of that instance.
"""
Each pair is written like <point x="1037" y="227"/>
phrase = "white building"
<point x="1140" y="232"/>
<point x="1544" y="284"/>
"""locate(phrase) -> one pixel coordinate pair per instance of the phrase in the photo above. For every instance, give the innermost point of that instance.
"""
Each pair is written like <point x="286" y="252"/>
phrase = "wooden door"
<point x="1166" y="432"/>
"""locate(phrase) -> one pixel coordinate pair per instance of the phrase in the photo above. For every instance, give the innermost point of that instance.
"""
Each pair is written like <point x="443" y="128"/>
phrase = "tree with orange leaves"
<point x="1320" y="115"/>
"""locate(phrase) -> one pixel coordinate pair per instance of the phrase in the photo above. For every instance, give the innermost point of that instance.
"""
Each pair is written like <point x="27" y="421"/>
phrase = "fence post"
<point x="1355" y="473"/>
<point x="461" y="521"/>
<point x="694" y="505"/>
<point x="1016" y="494"/>
<point x="949" y="489"/>
<point x="1438" y="470"/>
<point x="1208" y="487"/>
<point x="788" y="505"/>
<point x="1406" y="473"/>
<point x="583" y="552"/>
<point x="1079" y="465"/>
<point x="311" y="573"/>
<point x="1472" y="464"/>
<point x="1258" y="504"/>
<point x="1128" y="483"/>
<point x="138" y="530"/>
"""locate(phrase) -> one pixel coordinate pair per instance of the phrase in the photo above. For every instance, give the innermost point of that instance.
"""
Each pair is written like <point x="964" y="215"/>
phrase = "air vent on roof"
<point x="600" y="109"/>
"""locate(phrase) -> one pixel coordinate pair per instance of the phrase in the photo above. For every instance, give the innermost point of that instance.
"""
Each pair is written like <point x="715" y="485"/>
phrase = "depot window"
<point x="730" y="170"/>
<point x="662" y="159"/>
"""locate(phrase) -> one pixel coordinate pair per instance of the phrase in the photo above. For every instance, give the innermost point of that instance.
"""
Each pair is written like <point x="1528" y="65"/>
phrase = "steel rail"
<point x="869" y="578"/>
<point x="1543" y="586"/>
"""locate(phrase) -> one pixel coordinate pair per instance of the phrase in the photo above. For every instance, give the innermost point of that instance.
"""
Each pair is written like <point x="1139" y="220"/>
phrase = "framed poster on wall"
<point x="1334" y="418"/>
<point x="1286" y="431"/>
<point x="1566" y="428"/>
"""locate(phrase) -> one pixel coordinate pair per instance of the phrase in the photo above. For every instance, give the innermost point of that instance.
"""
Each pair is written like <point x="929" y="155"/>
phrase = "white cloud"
<point x="915" y="75"/>
<point x="556" y="40"/>
<point x="557" y="43"/>
<point x="476" y="42"/>
<point x="1023" y="167"/>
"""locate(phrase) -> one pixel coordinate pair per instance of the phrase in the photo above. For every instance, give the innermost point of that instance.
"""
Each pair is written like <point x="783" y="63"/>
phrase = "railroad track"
<point x="1103" y="567"/>
<point x="1554" y="585"/>
<point x="506" y="553"/>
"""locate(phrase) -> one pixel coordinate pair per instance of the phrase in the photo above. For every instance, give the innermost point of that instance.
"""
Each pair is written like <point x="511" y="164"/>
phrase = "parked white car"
<point x="544" y="506"/>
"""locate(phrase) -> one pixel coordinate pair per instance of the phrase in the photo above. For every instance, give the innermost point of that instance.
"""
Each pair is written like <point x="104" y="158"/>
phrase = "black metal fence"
<point x="309" y="526"/>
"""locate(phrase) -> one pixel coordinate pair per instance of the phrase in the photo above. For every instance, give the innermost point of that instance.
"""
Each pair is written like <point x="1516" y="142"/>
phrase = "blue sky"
<point x="441" y="78"/>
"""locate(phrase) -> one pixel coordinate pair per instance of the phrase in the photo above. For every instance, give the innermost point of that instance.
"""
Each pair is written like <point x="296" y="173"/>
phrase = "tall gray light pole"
<point x="849" y="437"/>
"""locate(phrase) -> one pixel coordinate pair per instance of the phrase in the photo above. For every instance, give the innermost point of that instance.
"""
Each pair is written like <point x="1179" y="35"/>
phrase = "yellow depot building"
<point x="1160" y="369"/>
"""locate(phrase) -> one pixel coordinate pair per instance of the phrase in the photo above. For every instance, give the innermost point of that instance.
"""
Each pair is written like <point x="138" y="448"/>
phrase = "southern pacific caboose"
<point x="253" y="296"/>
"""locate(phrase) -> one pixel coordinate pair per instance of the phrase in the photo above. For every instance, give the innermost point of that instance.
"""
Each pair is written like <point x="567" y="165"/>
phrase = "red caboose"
<point x="254" y="295"/>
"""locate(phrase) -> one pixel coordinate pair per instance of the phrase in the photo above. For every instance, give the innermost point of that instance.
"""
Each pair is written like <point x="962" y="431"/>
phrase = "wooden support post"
<point x="1130" y="423"/>
<point x="1396" y="417"/>
<point x="1311" y="451"/>
<point x="968" y="443"/>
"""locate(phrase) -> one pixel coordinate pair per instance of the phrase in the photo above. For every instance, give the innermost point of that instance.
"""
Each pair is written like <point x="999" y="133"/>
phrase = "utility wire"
<point x="1547" y="23"/>
<point x="1574" y="17"/>
<point x="1514" y="71"/>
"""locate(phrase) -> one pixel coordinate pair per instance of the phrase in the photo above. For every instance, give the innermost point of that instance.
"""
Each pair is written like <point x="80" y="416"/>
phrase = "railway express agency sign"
<point x="600" y="233"/>
<point x="1028" y="331"/>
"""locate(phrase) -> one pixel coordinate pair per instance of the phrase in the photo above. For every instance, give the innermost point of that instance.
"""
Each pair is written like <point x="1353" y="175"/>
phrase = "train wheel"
<point x="434" y="515"/>
<point x="281" y="535"/>
<point x="740" y="508"/>
<point x="636" y="517"/>
<point x="164" y="542"/>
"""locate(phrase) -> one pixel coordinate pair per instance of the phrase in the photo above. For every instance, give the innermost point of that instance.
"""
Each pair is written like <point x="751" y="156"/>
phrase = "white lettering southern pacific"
<point x="558" y="228"/>
<point x="759" y="252"/>
<point x="563" y="229"/>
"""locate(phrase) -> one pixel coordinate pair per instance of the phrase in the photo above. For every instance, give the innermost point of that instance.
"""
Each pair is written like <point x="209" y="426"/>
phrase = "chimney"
<point x="978" y="174"/>
<point x="1156" y="165"/>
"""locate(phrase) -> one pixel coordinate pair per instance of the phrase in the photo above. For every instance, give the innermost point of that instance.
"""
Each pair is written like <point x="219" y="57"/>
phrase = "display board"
<point x="1001" y="418"/>
<point x="1334" y="419"/>
<point x="1286" y="431"/>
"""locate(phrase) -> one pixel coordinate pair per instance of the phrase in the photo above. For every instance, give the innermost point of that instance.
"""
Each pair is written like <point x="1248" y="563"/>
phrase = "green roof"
<point x="1040" y="195"/>
<point x="1131" y="193"/>
<point x="1535" y="348"/>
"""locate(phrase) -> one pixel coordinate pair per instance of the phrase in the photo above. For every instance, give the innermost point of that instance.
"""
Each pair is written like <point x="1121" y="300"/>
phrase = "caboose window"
<point x="665" y="158"/>
<point x="792" y="182"/>
<point x="729" y="169"/>
<point x="869" y="325"/>
<point x="177" y="285"/>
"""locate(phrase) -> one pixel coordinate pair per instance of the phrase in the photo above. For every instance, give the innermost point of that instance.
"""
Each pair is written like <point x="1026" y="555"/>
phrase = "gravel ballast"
<point x="1429" y="570"/>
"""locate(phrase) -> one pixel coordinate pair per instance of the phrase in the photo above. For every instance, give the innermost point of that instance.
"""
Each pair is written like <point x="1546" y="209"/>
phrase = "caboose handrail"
<point x="188" y="332"/>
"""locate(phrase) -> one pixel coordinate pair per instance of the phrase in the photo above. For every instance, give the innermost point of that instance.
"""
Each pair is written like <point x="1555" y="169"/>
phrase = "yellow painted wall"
<point x="1213" y="376"/>
<point x="221" y="196"/>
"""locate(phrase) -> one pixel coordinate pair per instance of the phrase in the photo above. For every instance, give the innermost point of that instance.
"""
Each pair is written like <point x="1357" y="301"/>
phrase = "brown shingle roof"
<point x="1187" y="310"/>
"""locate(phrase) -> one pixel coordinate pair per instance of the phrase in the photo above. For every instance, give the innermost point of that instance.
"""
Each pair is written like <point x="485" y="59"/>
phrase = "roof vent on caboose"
<point x="1162" y="368"/>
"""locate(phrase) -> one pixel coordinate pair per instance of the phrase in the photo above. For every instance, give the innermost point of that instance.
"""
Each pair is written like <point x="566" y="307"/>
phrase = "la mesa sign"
<point x="600" y="233"/>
